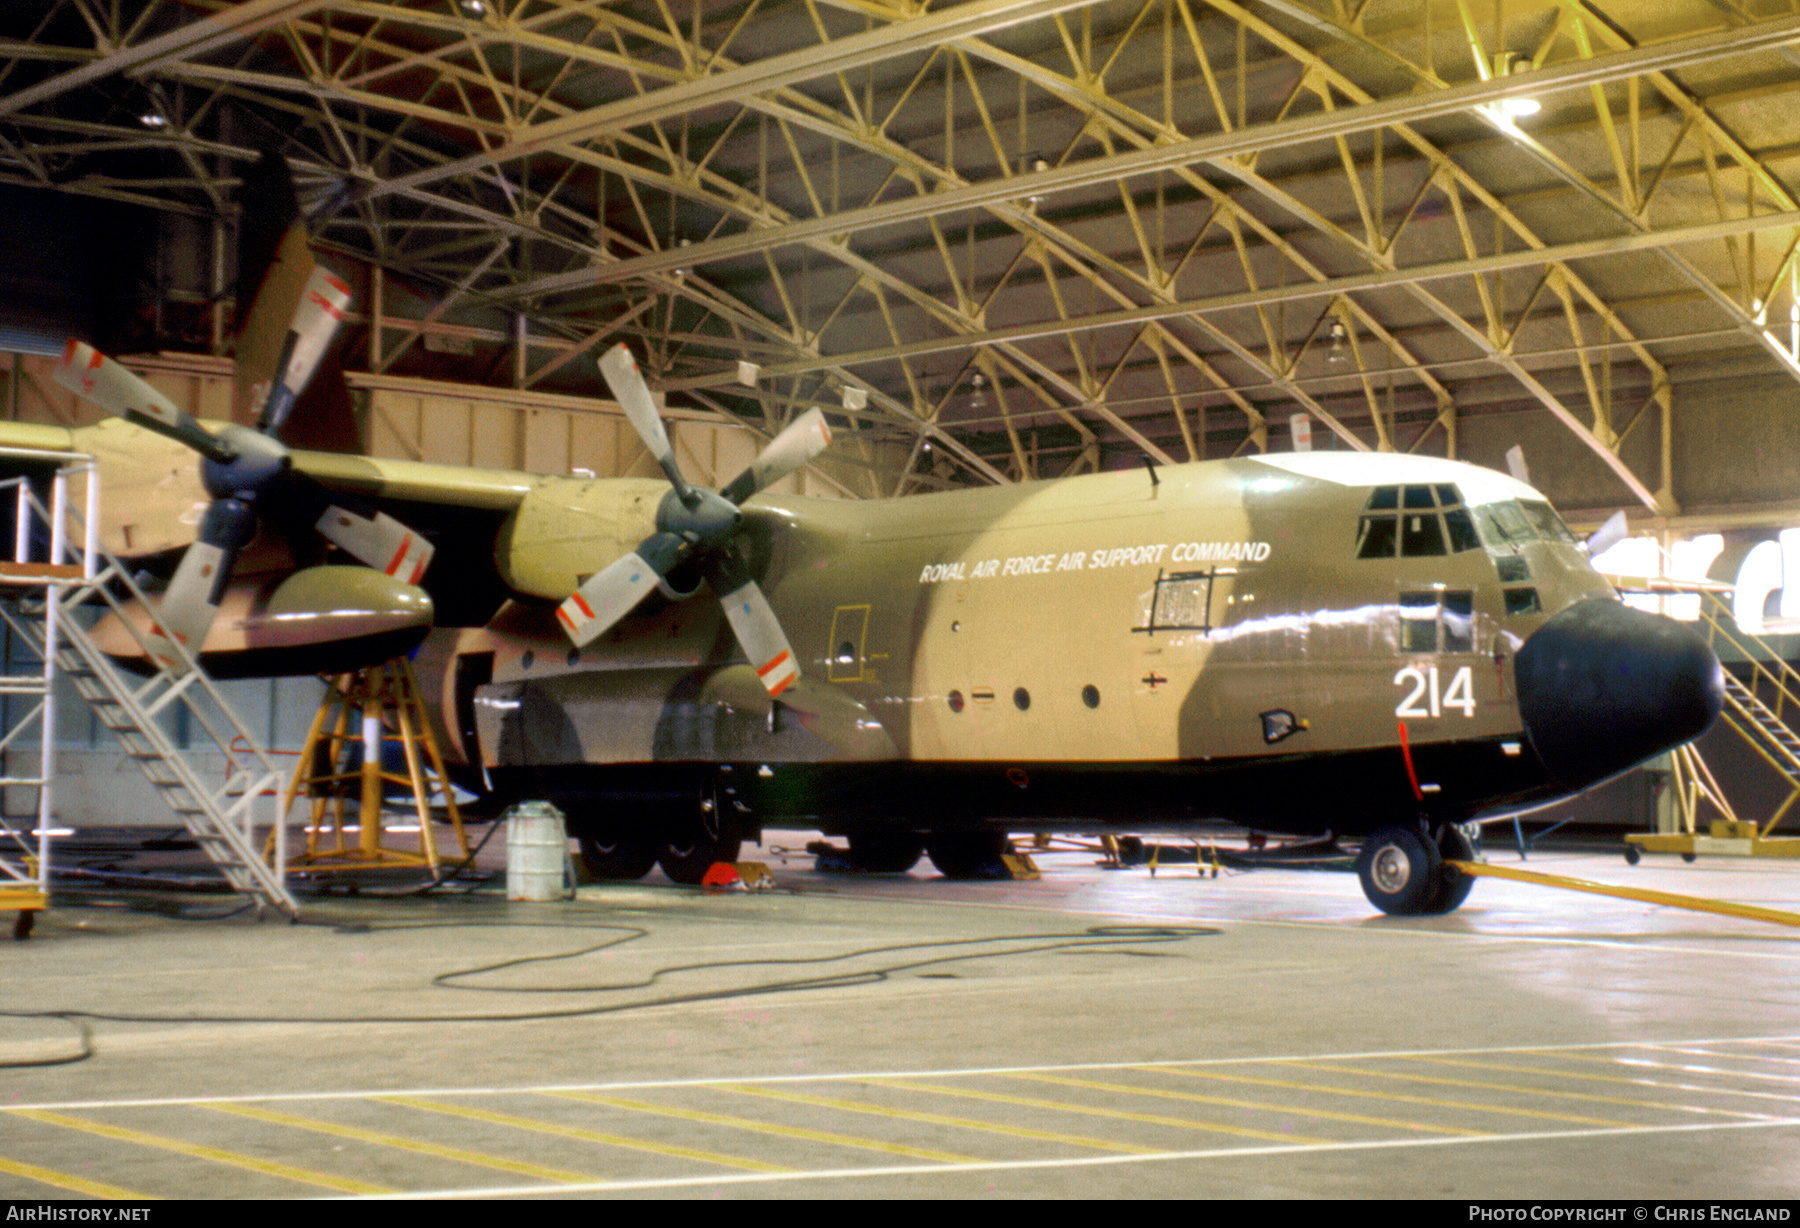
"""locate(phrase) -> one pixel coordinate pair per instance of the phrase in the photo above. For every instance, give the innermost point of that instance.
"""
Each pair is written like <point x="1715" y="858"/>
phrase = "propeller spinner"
<point x="245" y="469"/>
<point x="700" y="525"/>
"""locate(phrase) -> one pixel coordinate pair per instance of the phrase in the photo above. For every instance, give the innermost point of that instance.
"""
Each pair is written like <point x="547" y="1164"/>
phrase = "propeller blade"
<point x="633" y="395"/>
<point x="1515" y="464"/>
<point x="316" y="318"/>
<point x="758" y="631"/>
<point x="380" y="541"/>
<point x="192" y="600"/>
<point x="760" y="635"/>
<point x="94" y="377"/>
<point x="802" y="439"/>
<point x="614" y="592"/>
<point x="1607" y="535"/>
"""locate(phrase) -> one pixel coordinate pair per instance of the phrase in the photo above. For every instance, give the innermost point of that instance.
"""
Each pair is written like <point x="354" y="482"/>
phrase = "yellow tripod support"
<point x="365" y="711"/>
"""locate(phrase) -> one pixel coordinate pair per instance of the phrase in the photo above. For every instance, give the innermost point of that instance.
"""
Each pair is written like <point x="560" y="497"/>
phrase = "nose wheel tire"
<point x="1400" y="871"/>
<point x="1453" y="885"/>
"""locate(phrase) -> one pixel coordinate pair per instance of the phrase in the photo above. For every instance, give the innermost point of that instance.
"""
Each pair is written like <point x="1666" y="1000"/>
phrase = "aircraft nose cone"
<point x="1603" y="687"/>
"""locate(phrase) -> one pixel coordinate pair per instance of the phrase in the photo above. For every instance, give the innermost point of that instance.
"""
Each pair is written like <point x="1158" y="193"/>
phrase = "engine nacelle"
<point x="320" y="620"/>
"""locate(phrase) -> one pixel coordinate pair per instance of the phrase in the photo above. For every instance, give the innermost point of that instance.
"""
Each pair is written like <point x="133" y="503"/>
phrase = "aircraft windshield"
<point x="1415" y="522"/>
<point x="1515" y="522"/>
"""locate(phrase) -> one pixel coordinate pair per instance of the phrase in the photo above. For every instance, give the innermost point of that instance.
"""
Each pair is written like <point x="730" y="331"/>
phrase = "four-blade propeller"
<point x="247" y="472"/>
<point x="699" y="526"/>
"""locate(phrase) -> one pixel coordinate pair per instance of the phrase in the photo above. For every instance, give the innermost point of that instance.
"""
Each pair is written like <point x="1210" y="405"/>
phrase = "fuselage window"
<point x="1459" y="622"/>
<point x="1418" y="622"/>
<point x="1437" y="620"/>
<point x="1182" y="601"/>
<point x="1522" y="601"/>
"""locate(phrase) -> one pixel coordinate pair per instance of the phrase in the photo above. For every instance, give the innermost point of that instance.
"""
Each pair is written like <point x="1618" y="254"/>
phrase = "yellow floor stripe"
<point x="1364" y="1093"/>
<point x="589" y="1136"/>
<point x="1270" y="1106"/>
<point x="1518" y="1089"/>
<point x="1063" y="1106"/>
<point x="344" y="1185"/>
<point x="852" y="1106"/>
<point x="763" y="1127"/>
<point x="68" y="1181"/>
<point x="559" y="1175"/>
<point x="1600" y="1078"/>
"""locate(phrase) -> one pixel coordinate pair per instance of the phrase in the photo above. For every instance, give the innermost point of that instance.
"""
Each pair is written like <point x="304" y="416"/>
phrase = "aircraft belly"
<point x="1346" y="792"/>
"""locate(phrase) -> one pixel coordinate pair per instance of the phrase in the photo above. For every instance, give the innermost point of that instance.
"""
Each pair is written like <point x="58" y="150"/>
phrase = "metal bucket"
<point x="537" y="852"/>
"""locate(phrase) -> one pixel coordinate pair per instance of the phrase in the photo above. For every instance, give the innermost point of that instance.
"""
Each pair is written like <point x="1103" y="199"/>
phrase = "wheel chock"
<point x="755" y="876"/>
<point x="1020" y="866"/>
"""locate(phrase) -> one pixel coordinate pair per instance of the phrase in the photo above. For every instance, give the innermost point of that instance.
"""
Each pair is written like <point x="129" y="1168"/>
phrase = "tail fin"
<point x="274" y="261"/>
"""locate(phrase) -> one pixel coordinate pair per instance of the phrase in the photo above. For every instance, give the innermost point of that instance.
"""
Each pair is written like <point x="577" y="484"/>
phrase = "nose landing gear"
<point x="1404" y="870"/>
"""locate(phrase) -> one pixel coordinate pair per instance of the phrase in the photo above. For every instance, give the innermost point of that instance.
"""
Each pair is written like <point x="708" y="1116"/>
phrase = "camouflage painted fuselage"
<point x="1222" y="643"/>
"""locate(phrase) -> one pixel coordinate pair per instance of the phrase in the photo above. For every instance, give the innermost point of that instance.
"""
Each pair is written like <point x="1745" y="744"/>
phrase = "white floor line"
<point x="947" y="1073"/>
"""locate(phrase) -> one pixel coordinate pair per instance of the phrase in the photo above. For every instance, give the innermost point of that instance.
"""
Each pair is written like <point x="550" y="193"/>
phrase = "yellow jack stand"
<point x="364" y="711"/>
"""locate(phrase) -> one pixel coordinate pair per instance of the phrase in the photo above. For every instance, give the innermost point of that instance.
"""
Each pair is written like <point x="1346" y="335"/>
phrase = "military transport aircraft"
<point x="1372" y="645"/>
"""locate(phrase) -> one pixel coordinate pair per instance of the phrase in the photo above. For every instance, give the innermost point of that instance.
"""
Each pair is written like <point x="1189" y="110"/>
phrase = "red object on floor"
<point x="721" y="874"/>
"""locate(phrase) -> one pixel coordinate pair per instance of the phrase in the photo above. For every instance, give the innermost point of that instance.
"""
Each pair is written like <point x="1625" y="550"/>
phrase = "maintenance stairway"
<point x="1760" y="698"/>
<point x="47" y="620"/>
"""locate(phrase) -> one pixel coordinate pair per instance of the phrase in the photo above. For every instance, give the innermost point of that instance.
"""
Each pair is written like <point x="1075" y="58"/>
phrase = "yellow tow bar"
<point x="1724" y="907"/>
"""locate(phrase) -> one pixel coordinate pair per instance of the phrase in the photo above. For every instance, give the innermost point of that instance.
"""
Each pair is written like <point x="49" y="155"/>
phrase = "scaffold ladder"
<point x="1757" y="707"/>
<point x="220" y="816"/>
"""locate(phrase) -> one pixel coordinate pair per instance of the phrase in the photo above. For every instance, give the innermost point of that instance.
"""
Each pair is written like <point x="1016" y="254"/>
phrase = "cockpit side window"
<point x="1503" y="524"/>
<point x="1415" y="522"/>
<point x="1549" y="525"/>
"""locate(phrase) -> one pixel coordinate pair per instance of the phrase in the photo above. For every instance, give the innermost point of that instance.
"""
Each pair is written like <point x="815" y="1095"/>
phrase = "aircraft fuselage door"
<point x="849" y="644"/>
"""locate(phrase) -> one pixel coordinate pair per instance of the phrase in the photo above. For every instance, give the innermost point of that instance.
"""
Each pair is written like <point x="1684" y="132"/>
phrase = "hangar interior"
<point x="995" y="241"/>
<point x="1021" y="240"/>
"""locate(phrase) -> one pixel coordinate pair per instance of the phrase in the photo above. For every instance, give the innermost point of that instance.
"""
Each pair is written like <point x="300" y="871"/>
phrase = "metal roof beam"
<point x="1358" y="282"/>
<point x="196" y="38"/>
<point x="838" y="55"/>
<point x="1214" y="148"/>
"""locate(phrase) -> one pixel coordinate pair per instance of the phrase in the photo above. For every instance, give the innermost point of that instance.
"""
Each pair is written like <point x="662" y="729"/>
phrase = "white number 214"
<point x="1425" y="689"/>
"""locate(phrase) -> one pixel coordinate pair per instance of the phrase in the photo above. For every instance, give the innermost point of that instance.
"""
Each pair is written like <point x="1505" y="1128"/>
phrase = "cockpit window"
<point x="1549" y="525"/>
<point x="1420" y="535"/>
<point x="1405" y="522"/>
<point x="1503" y="524"/>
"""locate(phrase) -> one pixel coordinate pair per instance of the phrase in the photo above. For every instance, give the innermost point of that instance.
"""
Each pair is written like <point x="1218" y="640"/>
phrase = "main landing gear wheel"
<point x="619" y="849"/>
<point x="885" y="852"/>
<point x="697" y="839"/>
<point x="969" y="854"/>
<point x="1400" y="871"/>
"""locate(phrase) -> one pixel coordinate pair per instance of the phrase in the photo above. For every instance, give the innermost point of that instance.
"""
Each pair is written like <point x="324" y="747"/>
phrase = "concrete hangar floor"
<point x="1095" y="1033"/>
